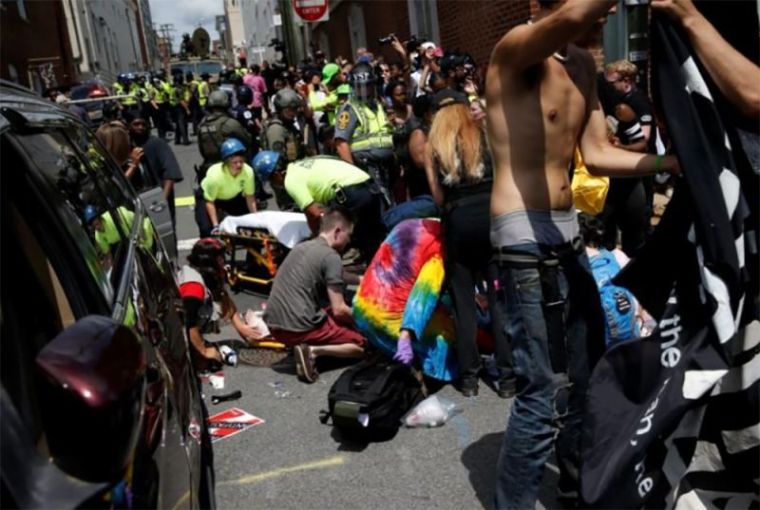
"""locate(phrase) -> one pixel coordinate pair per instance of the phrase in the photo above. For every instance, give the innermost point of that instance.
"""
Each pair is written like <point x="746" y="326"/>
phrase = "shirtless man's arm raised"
<point x="541" y="95"/>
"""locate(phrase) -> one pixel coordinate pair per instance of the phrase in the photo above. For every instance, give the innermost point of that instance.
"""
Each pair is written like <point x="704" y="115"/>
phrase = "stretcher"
<point x="256" y="244"/>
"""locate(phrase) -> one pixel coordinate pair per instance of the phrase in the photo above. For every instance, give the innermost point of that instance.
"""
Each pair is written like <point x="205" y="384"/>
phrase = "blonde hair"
<point x="115" y="138"/>
<point x="456" y="143"/>
<point x="624" y="68"/>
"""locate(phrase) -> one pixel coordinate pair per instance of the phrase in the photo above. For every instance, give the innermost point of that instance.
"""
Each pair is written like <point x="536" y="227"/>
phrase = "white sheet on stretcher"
<point x="289" y="228"/>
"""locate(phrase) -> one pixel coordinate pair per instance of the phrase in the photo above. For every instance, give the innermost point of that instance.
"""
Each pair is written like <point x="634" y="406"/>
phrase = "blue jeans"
<point x="549" y="403"/>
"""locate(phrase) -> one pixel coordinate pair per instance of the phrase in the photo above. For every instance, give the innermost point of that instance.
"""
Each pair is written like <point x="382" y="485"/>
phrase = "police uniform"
<point x="181" y="113"/>
<point x="370" y="137"/>
<point x="131" y="103"/>
<point x="331" y="181"/>
<point x="285" y="138"/>
<point x="214" y="129"/>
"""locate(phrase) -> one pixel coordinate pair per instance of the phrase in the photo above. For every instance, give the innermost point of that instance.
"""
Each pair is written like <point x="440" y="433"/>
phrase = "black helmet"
<point x="244" y="95"/>
<point x="287" y="98"/>
<point x="363" y="80"/>
<point x="161" y="74"/>
<point x="363" y="73"/>
<point x="205" y="76"/>
<point x="189" y="76"/>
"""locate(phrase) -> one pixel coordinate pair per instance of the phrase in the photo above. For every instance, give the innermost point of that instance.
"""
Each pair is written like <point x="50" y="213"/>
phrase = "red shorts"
<point x="328" y="333"/>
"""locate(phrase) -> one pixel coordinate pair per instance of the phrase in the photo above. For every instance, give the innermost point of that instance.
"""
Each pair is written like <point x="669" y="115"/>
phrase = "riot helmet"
<point x="244" y="95"/>
<point x="363" y="80"/>
<point x="287" y="98"/>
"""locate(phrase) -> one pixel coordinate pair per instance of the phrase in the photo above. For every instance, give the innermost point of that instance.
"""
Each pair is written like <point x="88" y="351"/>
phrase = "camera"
<point x="387" y="39"/>
<point x="412" y="44"/>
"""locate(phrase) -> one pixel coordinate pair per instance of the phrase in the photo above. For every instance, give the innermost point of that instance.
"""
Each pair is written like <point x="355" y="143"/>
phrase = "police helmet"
<point x="121" y="78"/>
<point x="244" y="95"/>
<point x="218" y="99"/>
<point x="161" y="74"/>
<point x="287" y="98"/>
<point x="363" y="81"/>
<point x="205" y="76"/>
<point x="189" y="76"/>
<point x="231" y="147"/>
<point x="266" y="163"/>
<point x="131" y="77"/>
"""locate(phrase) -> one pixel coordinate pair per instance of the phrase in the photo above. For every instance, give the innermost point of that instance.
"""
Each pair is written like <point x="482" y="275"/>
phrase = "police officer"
<point x="227" y="187"/>
<point x="181" y="104"/>
<point x="282" y="134"/>
<point x="321" y="181"/>
<point x="145" y="94"/>
<point x="204" y="90"/>
<point x="120" y="85"/>
<point x="363" y="134"/>
<point x="244" y="114"/>
<point x="160" y="102"/>
<point x="131" y="103"/>
<point x="215" y="128"/>
<point x="191" y="97"/>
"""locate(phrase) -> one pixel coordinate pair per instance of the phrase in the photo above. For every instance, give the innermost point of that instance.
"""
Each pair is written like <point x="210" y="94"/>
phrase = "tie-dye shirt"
<point x="401" y="289"/>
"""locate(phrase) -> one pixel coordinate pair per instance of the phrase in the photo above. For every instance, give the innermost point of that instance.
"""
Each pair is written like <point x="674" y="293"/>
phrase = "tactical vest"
<point x="294" y="149"/>
<point x="118" y="89"/>
<point x="210" y="138"/>
<point x="373" y="131"/>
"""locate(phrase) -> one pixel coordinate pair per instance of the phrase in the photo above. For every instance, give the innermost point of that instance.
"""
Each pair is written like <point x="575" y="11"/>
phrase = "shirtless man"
<point x="542" y="102"/>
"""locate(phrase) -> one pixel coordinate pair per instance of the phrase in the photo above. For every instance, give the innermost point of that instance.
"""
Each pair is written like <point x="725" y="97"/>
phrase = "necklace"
<point x="559" y="56"/>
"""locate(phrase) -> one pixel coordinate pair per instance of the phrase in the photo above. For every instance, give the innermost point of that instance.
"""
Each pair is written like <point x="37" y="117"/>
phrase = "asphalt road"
<point x="293" y="461"/>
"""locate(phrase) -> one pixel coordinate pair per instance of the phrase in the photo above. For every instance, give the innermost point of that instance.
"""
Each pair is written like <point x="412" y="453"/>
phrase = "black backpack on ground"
<point x="369" y="399"/>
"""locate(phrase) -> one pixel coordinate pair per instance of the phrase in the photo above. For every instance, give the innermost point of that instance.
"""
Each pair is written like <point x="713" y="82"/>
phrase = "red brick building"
<point x="35" y="45"/>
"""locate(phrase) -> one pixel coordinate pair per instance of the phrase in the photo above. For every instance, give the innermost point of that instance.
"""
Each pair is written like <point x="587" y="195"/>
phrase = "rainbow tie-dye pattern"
<point x="401" y="289"/>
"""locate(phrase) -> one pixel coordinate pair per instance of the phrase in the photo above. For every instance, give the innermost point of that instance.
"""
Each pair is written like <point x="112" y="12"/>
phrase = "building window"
<point x="356" y="27"/>
<point x="423" y="20"/>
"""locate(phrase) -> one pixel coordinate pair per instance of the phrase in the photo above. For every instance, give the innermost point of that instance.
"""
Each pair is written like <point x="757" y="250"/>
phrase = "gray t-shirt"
<point x="302" y="279"/>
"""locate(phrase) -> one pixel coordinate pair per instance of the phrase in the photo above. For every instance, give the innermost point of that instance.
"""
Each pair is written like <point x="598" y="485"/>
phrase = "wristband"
<point x="658" y="163"/>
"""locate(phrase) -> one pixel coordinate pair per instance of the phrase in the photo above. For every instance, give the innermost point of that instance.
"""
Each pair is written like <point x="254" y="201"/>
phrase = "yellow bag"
<point x="589" y="191"/>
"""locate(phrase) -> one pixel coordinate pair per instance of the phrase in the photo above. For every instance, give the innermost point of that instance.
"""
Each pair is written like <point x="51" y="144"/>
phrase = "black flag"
<point x="674" y="419"/>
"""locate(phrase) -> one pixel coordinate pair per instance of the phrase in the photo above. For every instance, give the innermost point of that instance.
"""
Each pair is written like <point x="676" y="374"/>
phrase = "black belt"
<point x="548" y="266"/>
<point x="465" y="200"/>
<point x="341" y="192"/>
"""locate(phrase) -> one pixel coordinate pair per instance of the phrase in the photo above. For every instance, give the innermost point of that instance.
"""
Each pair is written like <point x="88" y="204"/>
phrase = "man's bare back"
<point x="534" y="120"/>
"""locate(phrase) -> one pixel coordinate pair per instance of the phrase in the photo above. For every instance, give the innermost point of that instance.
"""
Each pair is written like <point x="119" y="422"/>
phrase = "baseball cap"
<point x="344" y="89"/>
<point x="447" y="97"/>
<point x="428" y="45"/>
<point x="328" y="71"/>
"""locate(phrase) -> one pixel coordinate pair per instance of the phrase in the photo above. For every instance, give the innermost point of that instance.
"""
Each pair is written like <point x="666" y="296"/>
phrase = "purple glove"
<point x="404" y="352"/>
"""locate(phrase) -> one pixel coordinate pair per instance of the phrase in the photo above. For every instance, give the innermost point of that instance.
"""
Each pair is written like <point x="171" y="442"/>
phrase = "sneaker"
<point x="507" y="388"/>
<point x="305" y="364"/>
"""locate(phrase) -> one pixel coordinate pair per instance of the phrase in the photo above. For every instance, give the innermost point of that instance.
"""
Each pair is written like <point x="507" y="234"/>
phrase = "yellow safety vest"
<point x="134" y="91"/>
<point x="373" y="130"/>
<point x="203" y="93"/>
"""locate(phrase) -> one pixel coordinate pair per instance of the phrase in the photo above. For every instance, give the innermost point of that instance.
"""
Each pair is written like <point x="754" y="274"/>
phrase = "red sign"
<point x="311" y="10"/>
<point x="230" y="422"/>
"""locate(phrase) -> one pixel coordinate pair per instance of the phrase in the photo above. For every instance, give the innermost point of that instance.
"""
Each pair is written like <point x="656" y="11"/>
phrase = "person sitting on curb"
<point x="321" y="181"/>
<point x="206" y="302"/>
<point x="294" y="314"/>
<point x="228" y="186"/>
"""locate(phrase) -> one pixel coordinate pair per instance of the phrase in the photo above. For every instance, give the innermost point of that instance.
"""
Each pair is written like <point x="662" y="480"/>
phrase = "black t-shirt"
<point x="415" y="177"/>
<point x="163" y="163"/>
<point x="640" y="104"/>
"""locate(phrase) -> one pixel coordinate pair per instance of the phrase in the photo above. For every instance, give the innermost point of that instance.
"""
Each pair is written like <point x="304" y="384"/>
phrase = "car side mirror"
<point x="92" y="382"/>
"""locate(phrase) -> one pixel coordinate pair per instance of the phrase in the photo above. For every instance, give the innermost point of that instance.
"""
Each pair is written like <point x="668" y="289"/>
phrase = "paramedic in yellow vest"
<point x="327" y="102"/>
<point x="228" y="187"/>
<point x="108" y="235"/>
<point x="363" y="134"/>
<point x="319" y="182"/>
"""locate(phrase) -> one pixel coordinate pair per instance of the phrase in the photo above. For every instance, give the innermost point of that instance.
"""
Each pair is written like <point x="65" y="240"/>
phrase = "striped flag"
<point x="674" y="420"/>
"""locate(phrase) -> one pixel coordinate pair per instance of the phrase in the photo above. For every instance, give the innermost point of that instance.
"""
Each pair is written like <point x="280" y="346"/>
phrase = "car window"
<point x="94" y="196"/>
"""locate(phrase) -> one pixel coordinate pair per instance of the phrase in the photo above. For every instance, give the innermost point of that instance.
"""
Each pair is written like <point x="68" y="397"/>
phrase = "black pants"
<point x="364" y="203"/>
<point x="180" y="127"/>
<point x="233" y="207"/>
<point x="468" y="254"/>
<point x="625" y="209"/>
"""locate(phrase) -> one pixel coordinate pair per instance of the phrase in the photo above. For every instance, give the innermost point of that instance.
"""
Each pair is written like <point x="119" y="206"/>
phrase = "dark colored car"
<point x="101" y="405"/>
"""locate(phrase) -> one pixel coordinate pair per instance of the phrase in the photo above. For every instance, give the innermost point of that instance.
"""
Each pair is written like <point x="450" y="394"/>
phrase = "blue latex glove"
<point x="404" y="352"/>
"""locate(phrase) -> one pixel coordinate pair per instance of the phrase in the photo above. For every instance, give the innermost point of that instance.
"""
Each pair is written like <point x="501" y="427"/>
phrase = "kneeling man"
<point x="310" y="275"/>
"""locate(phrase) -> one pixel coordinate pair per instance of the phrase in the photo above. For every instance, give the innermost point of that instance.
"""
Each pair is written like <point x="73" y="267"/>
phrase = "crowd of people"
<point x="363" y="148"/>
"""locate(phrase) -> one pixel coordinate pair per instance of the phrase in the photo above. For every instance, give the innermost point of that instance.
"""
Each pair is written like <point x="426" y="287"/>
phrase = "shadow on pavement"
<point x="480" y="460"/>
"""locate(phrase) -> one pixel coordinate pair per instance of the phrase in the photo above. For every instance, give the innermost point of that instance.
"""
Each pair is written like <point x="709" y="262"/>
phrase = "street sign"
<point x="312" y="10"/>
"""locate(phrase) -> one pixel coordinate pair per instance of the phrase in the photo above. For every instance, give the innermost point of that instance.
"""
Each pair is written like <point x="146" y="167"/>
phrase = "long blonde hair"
<point x="456" y="143"/>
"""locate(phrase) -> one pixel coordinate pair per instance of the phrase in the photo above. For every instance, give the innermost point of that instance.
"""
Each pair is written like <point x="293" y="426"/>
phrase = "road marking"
<point x="184" y="201"/>
<point x="186" y="244"/>
<point x="337" y="460"/>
